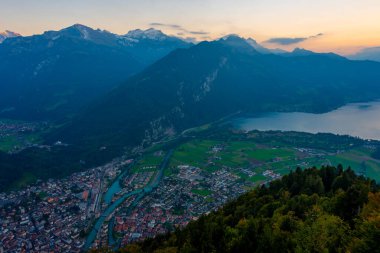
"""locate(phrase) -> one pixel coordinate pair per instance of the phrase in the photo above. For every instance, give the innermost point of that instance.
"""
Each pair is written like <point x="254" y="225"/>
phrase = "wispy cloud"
<point x="285" y="41"/>
<point x="199" y="32"/>
<point x="316" y="36"/>
<point x="205" y="37"/>
<point x="166" y="25"/>
<point x="181" y="31"/>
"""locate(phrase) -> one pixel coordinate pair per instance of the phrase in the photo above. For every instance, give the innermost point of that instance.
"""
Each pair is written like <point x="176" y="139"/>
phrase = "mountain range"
<point x="371" y="54"/>
<point x="55" y="74"/>
<point x="44" y="77"/>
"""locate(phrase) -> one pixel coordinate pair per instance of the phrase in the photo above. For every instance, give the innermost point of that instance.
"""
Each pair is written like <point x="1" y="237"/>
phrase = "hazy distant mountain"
<point x="258" y="47"/>
<point x="211" y="80"/>
<point x="8" y="34"/>
<point x="371" y="53"/>
<point x="300" y="52"/>
<point x="151" y="44"/>
<point x="55" y="74"/>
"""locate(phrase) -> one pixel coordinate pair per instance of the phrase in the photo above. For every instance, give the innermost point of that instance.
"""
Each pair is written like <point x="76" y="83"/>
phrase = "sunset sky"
<point x="342" y="26"/>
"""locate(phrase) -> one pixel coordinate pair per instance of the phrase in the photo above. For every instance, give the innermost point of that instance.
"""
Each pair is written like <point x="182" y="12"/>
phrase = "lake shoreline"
<point x="355" y="119"/>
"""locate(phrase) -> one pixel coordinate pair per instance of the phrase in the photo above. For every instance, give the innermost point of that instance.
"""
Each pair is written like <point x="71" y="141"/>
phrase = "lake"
<point x="357" y="119"/>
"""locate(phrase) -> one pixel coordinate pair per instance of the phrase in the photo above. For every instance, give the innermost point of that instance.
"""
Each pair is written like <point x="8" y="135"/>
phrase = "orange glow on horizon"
<point x="347" y="25"/>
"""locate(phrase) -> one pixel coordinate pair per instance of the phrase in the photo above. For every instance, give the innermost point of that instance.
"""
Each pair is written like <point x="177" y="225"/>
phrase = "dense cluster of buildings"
<point x="137" y="180"/>
<point x="53" y="216"/>
<point x="176" y="201"/>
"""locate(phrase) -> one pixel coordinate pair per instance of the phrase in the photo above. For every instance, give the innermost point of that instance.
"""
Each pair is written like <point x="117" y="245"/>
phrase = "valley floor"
<point x="167" y="187"/>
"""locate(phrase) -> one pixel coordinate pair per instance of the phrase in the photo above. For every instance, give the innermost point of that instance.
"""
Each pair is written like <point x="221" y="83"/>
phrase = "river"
<point x="109" y="210"/>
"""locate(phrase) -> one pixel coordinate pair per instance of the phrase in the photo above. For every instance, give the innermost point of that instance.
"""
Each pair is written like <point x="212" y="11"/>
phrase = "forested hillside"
<point x="325" y="210"/>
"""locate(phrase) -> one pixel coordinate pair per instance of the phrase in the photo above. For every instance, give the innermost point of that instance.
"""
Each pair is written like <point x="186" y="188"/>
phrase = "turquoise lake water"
<point x="359" y="120"/>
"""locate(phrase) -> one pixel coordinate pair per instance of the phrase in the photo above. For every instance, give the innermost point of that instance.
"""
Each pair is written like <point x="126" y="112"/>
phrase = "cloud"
<point x="316" y="36"/>
<point x="181" y="30"/>
<point x="285" y="41"/>
<point x="172" y="26"/>
<point x="199" y="33"/>
<point x="156" y="24"/>
<point x="166" y="25"/>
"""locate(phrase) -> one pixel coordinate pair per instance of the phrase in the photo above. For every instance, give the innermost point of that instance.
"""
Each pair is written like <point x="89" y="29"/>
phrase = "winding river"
<point x="114" y="188"/>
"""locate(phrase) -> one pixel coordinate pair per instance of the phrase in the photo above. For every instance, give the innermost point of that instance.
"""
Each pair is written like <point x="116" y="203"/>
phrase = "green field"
<point x="234" y="154"/>
<point x="201" y="192"/>
<point x="8" y="143"/>
<point x="14" y="139"/>
<point x="26" y="179"/>
<point x="149" y="162"/>
<point x="270" y="154"/>
<point x="260" y="156"/>
<point x="194" y="153"/>
<point x="257" y="178"/>
<point x="359" y="160"/>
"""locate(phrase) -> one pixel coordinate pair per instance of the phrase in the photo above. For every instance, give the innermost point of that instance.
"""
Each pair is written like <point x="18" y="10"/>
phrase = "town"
<point x="128" y="200"/>
<point x="53" y="215"/>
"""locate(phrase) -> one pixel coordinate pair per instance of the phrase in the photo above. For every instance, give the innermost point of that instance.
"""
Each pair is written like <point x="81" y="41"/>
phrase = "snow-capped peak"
<point x="80" y="26"/>
<point x="253" y="43"/>
<point x="8" y="34"/>
<point x="150" y="33"/>
<point x="84" y="31"/>
<point x="229" y="36"/>
<point x="259" y="48"/>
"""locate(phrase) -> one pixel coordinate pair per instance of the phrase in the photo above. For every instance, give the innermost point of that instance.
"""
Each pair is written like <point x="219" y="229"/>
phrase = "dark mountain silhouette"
<point x="53" y="75"/>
